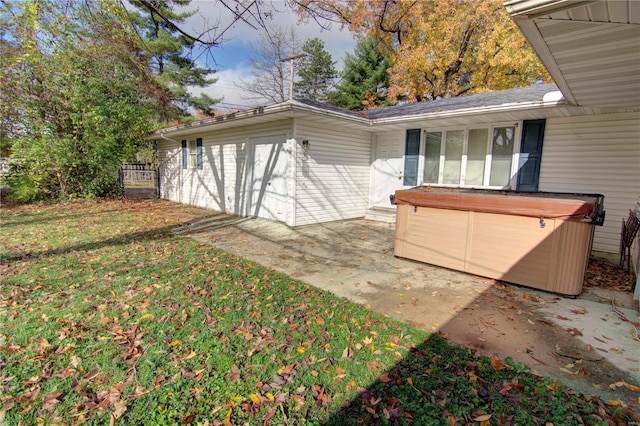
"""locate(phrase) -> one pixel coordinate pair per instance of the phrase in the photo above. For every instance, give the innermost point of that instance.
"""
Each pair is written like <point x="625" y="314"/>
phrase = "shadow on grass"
<point x="439" y="383"/>
<point x="138" y="237"/>
<point x="44" y="217"/>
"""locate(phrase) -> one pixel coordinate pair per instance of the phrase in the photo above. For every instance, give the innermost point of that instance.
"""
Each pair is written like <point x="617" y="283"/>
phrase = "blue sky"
<point x="231" y="57"/>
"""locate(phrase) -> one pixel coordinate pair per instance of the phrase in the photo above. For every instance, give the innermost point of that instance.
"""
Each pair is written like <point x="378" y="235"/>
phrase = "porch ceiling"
<point x="591" y="48"/>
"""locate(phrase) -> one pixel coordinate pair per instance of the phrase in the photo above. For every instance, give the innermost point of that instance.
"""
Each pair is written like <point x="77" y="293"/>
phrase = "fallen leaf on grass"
<point x="385" y="378"/>
<point x="120" y="408"/>
<point x="497" y="364"/>
<point x="483" y="418"/>
<point x="49" y="401"/>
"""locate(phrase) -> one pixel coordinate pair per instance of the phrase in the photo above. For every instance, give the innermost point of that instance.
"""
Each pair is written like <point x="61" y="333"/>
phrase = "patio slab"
<point x="584" y="342"/>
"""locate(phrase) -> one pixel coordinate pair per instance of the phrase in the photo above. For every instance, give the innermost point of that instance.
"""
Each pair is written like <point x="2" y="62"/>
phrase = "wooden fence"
<point x="139" y="181"/>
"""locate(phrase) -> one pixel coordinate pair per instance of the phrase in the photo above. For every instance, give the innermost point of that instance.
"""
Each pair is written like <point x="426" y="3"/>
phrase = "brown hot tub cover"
<point x="533" y="204"/>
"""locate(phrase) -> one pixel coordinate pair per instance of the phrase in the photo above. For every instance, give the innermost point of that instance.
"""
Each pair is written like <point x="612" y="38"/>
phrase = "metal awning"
<point x="591" y="48"/>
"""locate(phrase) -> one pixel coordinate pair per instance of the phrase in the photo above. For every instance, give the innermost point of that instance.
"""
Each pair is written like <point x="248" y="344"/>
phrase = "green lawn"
<point x="106" y="317"/>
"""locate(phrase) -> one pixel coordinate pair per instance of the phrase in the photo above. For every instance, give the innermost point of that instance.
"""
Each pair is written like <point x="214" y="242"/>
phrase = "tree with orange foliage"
<point x="439" y="48"/>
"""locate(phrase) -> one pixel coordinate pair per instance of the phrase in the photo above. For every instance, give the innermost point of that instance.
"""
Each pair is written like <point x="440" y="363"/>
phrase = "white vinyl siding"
<point x="170" y="167"/>
<point x="595" y="154"/>
<point x="332" y="178"/>
<point x="221" y="183"/>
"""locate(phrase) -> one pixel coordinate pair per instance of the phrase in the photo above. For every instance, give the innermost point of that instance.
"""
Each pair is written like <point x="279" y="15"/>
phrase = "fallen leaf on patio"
<point x="616" y="350"/>
<point x="574" y="331"/>
<point x="632" y="387"/>
<point x="579" y="311"/>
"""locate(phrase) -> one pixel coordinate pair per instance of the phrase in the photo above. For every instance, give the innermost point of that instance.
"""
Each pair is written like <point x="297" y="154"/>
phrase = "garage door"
<point x="267" y="178"/>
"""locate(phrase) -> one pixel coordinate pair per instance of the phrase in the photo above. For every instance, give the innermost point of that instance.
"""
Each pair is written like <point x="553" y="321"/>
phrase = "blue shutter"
<point x="185" y="155"/>
<point x="530" y="155"/>
<point x="199" y="163"/>
<point x="411" y="157"/>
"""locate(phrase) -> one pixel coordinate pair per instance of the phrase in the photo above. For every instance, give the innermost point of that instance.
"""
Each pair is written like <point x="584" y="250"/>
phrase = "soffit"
<point x="591" y="49"/>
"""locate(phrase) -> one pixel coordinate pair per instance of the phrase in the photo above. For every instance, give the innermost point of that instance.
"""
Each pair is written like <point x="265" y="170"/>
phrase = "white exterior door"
<point x="387" y="168"/>
<point x="267" y="178"/>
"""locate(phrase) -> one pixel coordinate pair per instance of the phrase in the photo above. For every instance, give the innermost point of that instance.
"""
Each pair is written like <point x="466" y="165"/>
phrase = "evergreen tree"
<point x="316" y="71"/>
<point x="166" y="50"/>
<point x="365" y="78"/>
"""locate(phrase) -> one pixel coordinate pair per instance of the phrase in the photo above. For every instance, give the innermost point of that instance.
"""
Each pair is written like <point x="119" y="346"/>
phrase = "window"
<point x="453" y="145"/>
<point x="477" y="156"/>
<point x="185" y="155"/>
<point x="199" y="162"/>
<point x="502" y="155"/>
<point x="432" y="143"/>
<point x="192" y="154"/>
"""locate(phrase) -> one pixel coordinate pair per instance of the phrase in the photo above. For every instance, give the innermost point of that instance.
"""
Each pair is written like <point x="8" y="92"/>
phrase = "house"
<point x="302" y="162"/>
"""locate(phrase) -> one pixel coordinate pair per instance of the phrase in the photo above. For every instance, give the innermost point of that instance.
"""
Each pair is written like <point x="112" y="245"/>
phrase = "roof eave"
<point x="287" y="109"/>
<point x="553" y="99"/>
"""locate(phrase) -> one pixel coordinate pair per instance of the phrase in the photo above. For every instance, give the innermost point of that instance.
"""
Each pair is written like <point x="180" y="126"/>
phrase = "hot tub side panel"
<point x="435" y="236"/>
<point x="516" y="249"/>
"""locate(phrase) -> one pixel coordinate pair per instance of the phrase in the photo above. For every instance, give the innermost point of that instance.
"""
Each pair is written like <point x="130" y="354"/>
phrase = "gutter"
<point x="551" y="99"/>
<point x="223" y="119"/>
<point x="290" y="106"/>
<point x="535" y="8"/>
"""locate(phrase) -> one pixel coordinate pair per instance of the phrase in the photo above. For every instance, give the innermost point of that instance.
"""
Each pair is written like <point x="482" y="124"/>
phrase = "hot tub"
<point x="541" y="240"/>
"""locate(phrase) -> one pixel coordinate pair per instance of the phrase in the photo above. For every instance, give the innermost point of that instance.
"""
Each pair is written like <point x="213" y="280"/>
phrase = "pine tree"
<point x="316" y="71"/>
<point x="365" y="78"/>
<point x="167" y="51"/>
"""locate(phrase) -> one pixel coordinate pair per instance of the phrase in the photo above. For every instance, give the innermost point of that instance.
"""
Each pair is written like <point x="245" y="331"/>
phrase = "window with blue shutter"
<point x="185" y="155"/>
<point x="199" y="162"/>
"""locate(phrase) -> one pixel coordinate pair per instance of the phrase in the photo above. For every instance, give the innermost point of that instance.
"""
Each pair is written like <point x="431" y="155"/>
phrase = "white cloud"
<point x="226" y="88"/>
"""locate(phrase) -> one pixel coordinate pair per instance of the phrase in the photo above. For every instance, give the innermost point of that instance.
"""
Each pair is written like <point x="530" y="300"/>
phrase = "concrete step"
<point x="381" y="214"/>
